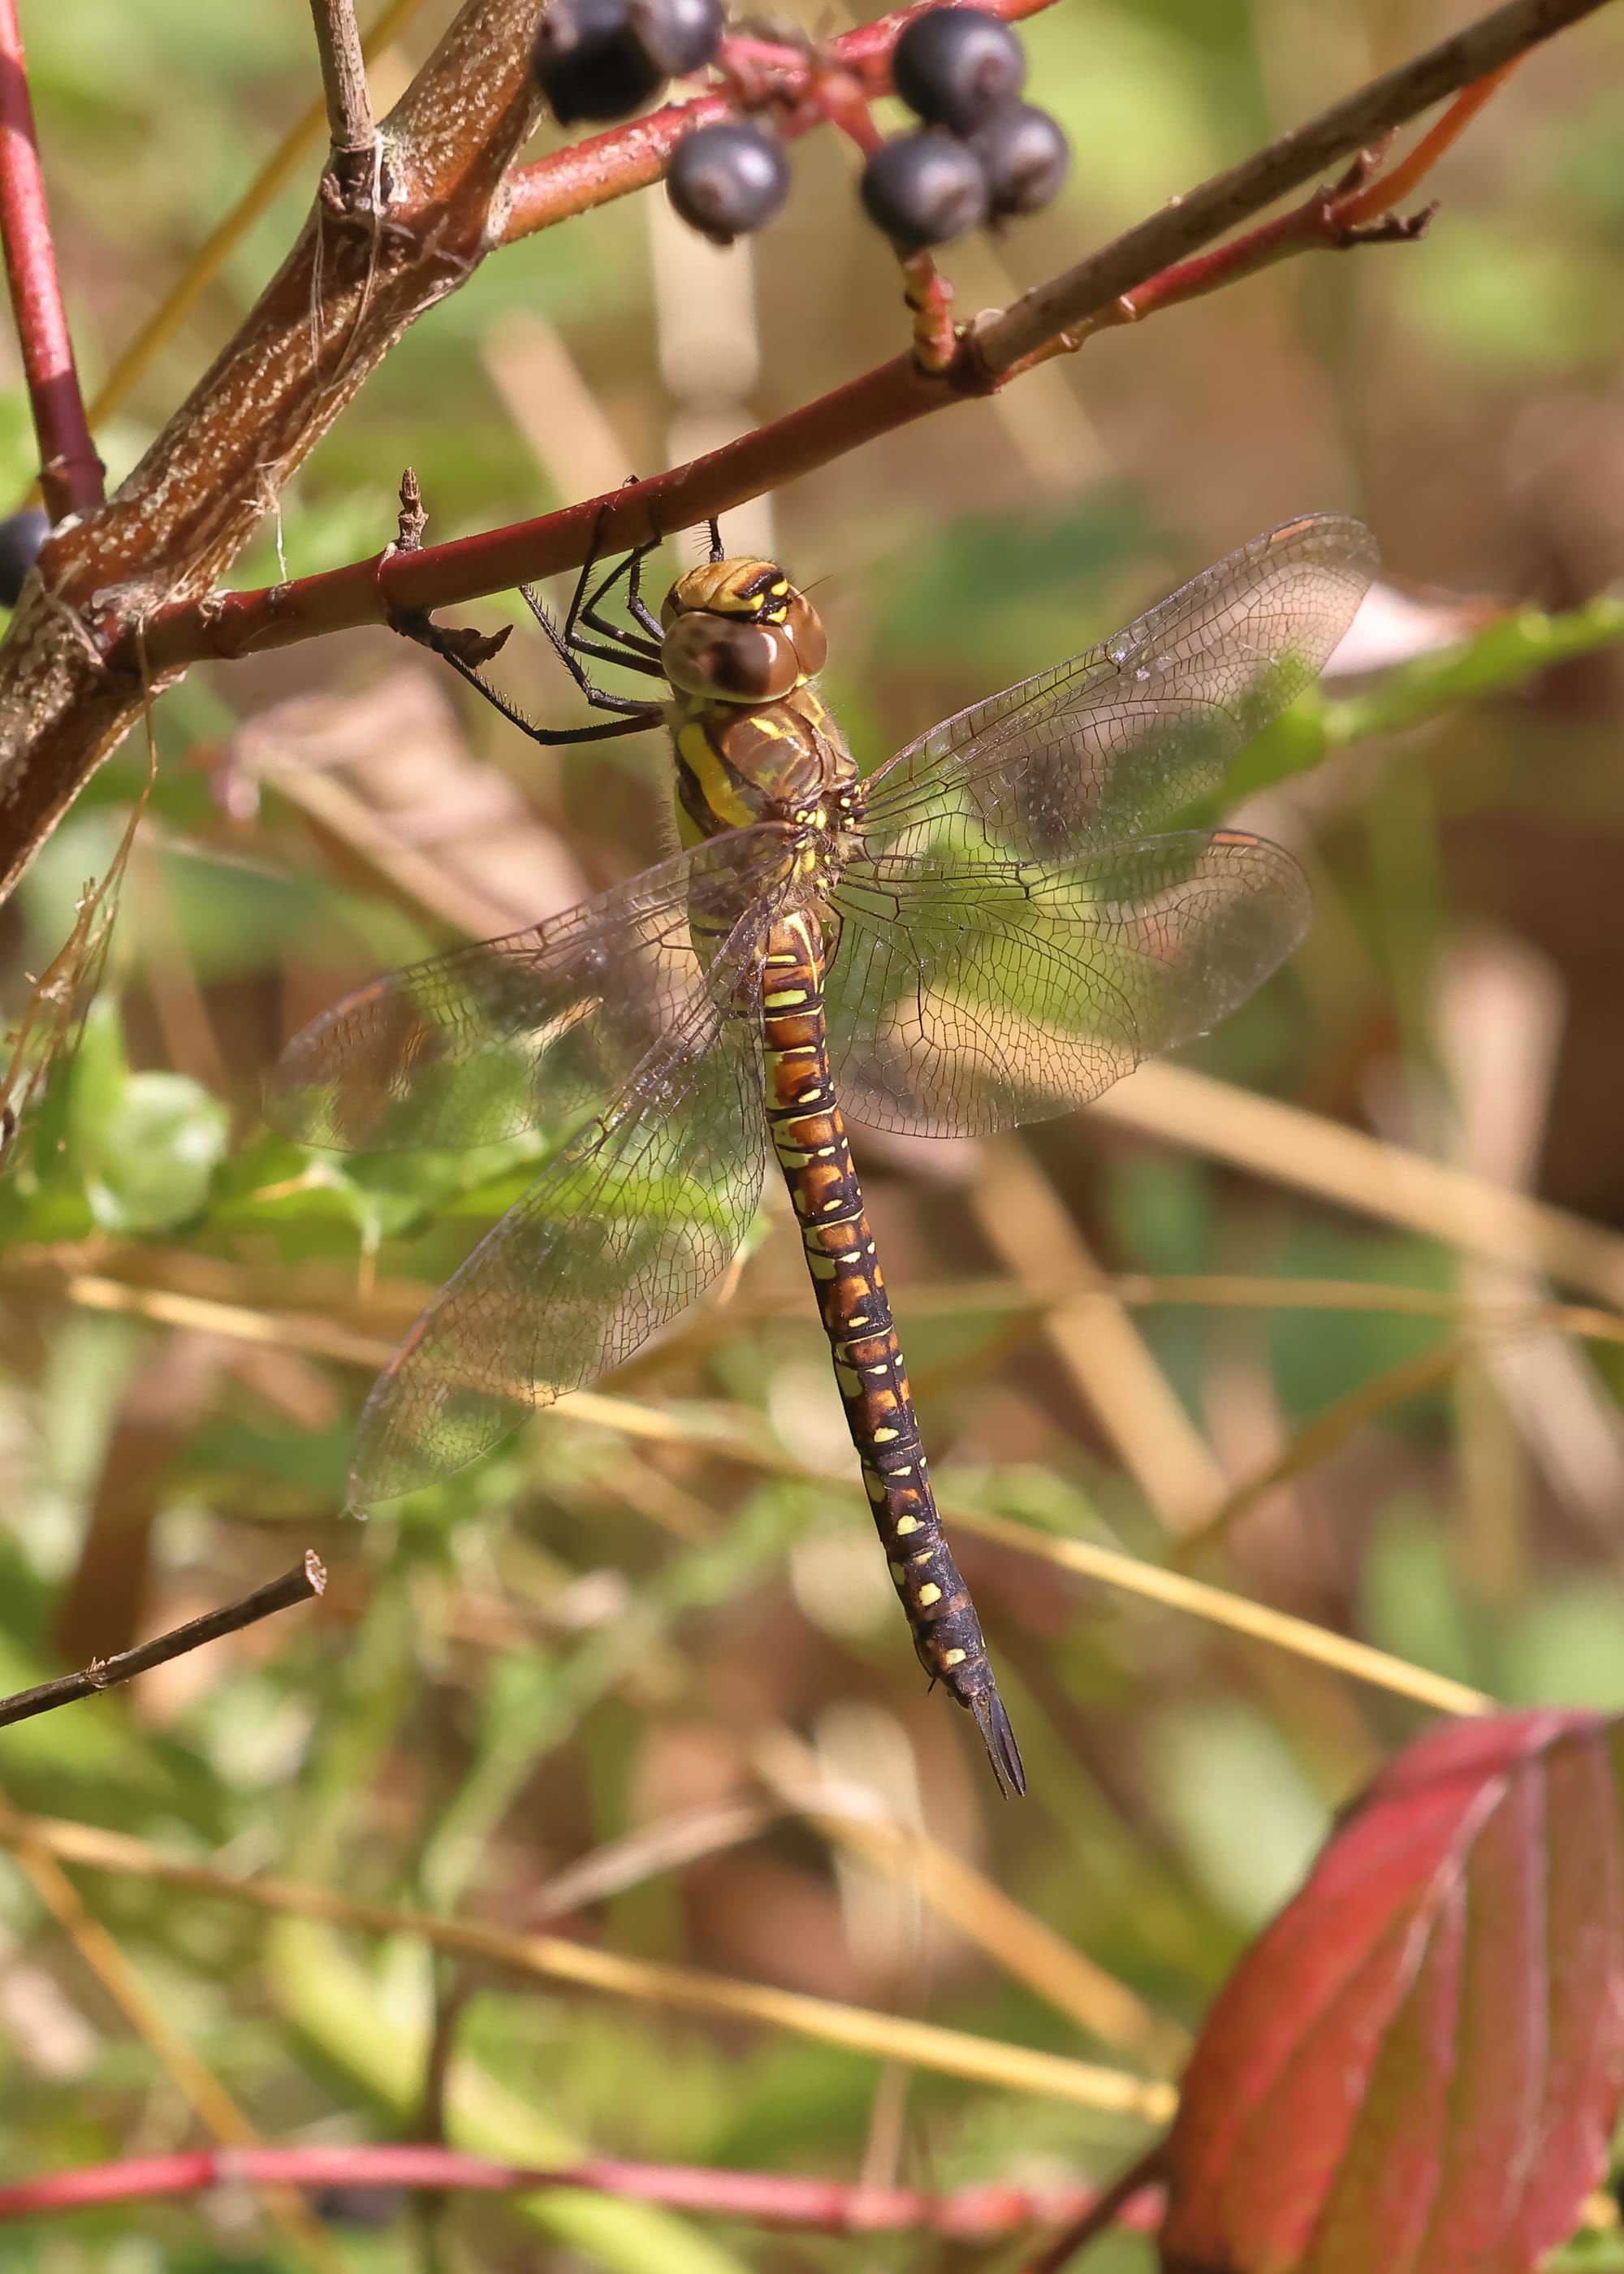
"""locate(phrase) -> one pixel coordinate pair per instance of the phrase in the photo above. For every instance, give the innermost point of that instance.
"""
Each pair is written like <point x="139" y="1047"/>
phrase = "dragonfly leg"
<point x="636" y="717"/>
<point x="568" y="645"/>
<point x="637" y="607"/>
<point x="586" y="608"/>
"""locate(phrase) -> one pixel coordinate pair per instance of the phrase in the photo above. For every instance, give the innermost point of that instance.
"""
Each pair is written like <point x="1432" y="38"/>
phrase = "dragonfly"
<point x="987" y="930"/>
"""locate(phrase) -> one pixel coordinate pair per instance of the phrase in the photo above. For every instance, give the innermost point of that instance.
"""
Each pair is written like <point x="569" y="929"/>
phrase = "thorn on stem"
<point x="414" y="517"/>
<point x="1389" y="229"/>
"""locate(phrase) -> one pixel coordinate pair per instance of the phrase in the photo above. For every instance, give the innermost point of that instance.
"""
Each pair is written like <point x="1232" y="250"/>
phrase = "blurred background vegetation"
<point x="632" y="1661"/>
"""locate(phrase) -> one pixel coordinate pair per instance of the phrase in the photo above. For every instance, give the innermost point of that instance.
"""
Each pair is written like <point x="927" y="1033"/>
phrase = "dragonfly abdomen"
<point x="809" y="1137"/>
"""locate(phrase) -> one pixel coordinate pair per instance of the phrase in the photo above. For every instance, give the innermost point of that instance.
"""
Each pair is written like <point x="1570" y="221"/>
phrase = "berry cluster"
<point x="982" y="153"/>
<point x="603" y="59"/>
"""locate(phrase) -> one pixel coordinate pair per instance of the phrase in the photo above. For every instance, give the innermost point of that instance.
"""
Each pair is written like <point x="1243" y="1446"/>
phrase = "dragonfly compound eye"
<point x="806" y="635"/>
<point x="732" y="662"/>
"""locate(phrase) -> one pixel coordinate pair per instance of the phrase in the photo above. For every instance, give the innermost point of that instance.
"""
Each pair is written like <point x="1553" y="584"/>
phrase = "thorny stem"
<point x="350" y="110"/>
<point x="307" y="1579"/>
<point x="70" y="471"/>
<point x="983" y="2214"/>
<point x="884" y="398"/>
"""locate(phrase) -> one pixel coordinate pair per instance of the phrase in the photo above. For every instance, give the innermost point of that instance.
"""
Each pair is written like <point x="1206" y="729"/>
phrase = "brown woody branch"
<point x="341" y="300"/>
<point x="307" y="1579"/>
<point x="70" y="471"/>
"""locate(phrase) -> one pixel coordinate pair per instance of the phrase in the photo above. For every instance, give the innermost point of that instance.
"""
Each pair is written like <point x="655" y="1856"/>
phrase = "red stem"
<point x="1382" y="194"/>
<point x="442" y="576"/>
<point x="70" y="471"/>
<point x="815" y="2206"/>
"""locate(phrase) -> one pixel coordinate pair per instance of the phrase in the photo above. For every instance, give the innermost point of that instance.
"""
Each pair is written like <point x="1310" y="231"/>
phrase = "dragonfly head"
<point x="738" y="631"/>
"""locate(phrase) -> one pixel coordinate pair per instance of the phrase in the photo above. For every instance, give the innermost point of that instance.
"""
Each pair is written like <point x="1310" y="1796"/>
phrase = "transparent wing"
<point x="643" y="1208"/>
<point x="543" y="1026"/>
<point x="1120" y="739"/>
<point x="972" y="995"/>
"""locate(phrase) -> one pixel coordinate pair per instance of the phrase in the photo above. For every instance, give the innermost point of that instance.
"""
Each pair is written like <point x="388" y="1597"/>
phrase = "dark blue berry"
<point x="590" y="61"/>
<point x="956" y="67"/>
<point x="678" y="35"/>
<point x="925" y="189"/>
<point x="727" y="180"/>
<point x="21" y="536"/>
<point x="1026" y="158"/>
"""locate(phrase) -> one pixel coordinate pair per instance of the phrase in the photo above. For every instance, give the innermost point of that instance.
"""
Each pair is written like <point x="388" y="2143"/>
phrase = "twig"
<point x="1147" y="264"/>
<point x="1322" y="222"/>
<point x="70" y="471"/>
<point x="308" y="1579"/>
<point x="347" y="182"/>
<point x="1106" y="2210"/>
<point x="977" y="2214"/>
<point x="1307" y="152"/>
<point x="222" y="240"/>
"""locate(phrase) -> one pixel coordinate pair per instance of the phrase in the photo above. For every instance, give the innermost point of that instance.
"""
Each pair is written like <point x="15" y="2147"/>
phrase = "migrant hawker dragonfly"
<point x="989" y="929"/>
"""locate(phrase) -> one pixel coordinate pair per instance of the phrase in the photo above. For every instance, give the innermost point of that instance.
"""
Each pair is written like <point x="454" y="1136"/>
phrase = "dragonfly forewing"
<point x="968" y="997"/>
<point x="1125" y="736"/>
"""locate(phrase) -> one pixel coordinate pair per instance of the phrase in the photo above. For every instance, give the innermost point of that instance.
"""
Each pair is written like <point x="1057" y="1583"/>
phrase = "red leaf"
<point x="1415" y="2069"/>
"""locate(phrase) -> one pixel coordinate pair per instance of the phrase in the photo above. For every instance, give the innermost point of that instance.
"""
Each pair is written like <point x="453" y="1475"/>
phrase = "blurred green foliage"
<point x="584" y="1635"/>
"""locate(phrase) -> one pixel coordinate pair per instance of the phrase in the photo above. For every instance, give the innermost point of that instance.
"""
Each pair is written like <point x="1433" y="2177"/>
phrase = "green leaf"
<point x="157" y="1152"/>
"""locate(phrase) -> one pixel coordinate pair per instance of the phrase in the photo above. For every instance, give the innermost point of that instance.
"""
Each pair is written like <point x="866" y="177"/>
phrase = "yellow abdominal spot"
<point x="904" y="1525"/>
<point x="929" y="1594"/>
<point x="954" y="1657"/>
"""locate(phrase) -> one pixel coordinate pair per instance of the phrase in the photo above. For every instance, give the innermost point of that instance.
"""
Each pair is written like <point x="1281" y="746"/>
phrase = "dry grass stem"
<point x="877" y="2036"/>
